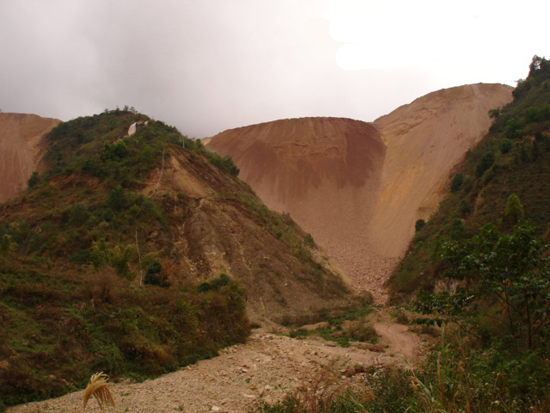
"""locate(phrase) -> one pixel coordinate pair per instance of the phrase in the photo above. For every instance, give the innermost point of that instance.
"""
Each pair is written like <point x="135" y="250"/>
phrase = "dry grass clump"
<point x="325" y="391"/>
<point x="99" y="388"/>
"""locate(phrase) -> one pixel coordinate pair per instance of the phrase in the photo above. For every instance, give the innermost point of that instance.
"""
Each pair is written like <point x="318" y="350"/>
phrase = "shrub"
<point x="505" y="145"/>
<point x="457" y="229"/>
<point x="214" y="284"/>
<point x="117" y="199"/>
<point x="457" y="182"/>
<point x="154" y="275"/>
<point x="419" y="225"/>
<point x="463" y="208"/>
<point x="514" y="209"/>
<point x="514" y="128"/>
<point x="33" y="180"/>
<point x="486" y="162"/>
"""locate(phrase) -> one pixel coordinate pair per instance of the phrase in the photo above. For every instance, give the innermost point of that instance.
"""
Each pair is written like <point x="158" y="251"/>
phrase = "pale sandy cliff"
<point x="358" y="187"/>
<point x="22" y="145"/>
<point x="425" y="140"/>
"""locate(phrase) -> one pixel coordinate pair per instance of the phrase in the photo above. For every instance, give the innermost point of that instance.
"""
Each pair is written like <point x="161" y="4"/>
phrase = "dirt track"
<point x="243" y="376"/>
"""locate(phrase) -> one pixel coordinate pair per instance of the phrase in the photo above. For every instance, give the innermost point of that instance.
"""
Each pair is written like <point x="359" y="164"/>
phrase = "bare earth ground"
<point x="265" y="369"/>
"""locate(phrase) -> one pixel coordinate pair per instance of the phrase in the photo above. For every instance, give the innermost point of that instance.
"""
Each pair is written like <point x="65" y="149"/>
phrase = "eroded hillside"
<point x="358" y="188"/>
<point x="22" y="144"/>
<point x="219" y="226"/>
<point x="139" y="254"/>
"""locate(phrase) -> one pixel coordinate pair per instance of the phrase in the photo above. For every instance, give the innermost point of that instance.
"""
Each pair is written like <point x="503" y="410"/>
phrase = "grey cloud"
<point x="201" y="66"/>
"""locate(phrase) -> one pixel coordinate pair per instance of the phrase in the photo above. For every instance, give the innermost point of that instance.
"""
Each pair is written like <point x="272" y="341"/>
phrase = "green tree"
<point x="524" y="156"/>
<point x="457" y="229"/>
<point x="505" y="145"/>
<point x="514" y="128"/>
<point x="5" y="244"/>
<point x="464" y="208"/>
<point x="511" y="272"/>
<point x="494" y="113"/>
<point x="117" y="199"/>
<point x="514" y="209"/>
<point x="155" y="275"/>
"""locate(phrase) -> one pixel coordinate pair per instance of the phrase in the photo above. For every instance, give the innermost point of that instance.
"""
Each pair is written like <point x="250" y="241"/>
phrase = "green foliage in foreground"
<point x="508" y="275"/>
<point x="59" y="326"/>
<point x="352" y="325"/>
<point x="82" y="288"/>
<point x="456" y="377"/>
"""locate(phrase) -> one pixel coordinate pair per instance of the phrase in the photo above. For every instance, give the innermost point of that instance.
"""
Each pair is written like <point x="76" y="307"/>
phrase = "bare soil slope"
<point x="425" y="140"/>
<point x="214" y="233"/>
<point x="21" y="149"/>
<point x="325" y="172"/>
<point x="358" y="188"/>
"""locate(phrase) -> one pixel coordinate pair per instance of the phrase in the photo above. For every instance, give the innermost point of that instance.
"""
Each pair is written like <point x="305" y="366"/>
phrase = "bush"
<point x="419" y="225"/>
<point x="457" y="229"/>
<point x="154" y="276"/>
<point x="514" y="209"/>
<point x="486" y="162"/>
<point x="463" y="208"/>
<point x="505" y="145"/>
<point x="117" y="199"/>
<point x="514" y="128"/>
<point x="33" y="180"/>
<point x="457" y="182"/>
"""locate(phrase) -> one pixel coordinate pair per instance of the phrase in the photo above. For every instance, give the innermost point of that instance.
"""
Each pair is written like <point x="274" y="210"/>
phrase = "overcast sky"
<point x="211" y="65"/>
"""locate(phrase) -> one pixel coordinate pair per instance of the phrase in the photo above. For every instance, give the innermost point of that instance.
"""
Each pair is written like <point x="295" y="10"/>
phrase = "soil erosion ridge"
<point x="359" y="187"/>
<point x="21" y="148"/>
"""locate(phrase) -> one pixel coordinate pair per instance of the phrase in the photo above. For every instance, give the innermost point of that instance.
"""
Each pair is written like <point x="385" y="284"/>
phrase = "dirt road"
<point x="264" y="369"/>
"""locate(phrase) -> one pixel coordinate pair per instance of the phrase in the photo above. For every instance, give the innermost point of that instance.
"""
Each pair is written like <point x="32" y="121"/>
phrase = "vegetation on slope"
<point x="90" y="278"/>
<point x="511" y="164"/>
<point x="481" y="262"/>
<point x="481" y="269"/>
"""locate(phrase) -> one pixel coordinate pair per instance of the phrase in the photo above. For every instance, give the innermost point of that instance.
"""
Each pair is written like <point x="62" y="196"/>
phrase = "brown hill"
<point x="21" y="149"/>
<point x="216" y="223"/>
<point x="359" y="187"/>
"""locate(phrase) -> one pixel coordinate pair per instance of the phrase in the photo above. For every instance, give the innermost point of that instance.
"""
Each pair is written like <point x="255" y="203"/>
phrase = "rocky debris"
<point x="263" y="370"/>
<point x="311" y="327"/>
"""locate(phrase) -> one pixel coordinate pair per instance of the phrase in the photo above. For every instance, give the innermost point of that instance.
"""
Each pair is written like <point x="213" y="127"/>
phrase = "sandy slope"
<point x="425" y="140"/>
<point x="21" y="148"/>
<point x="357" y="187"/>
